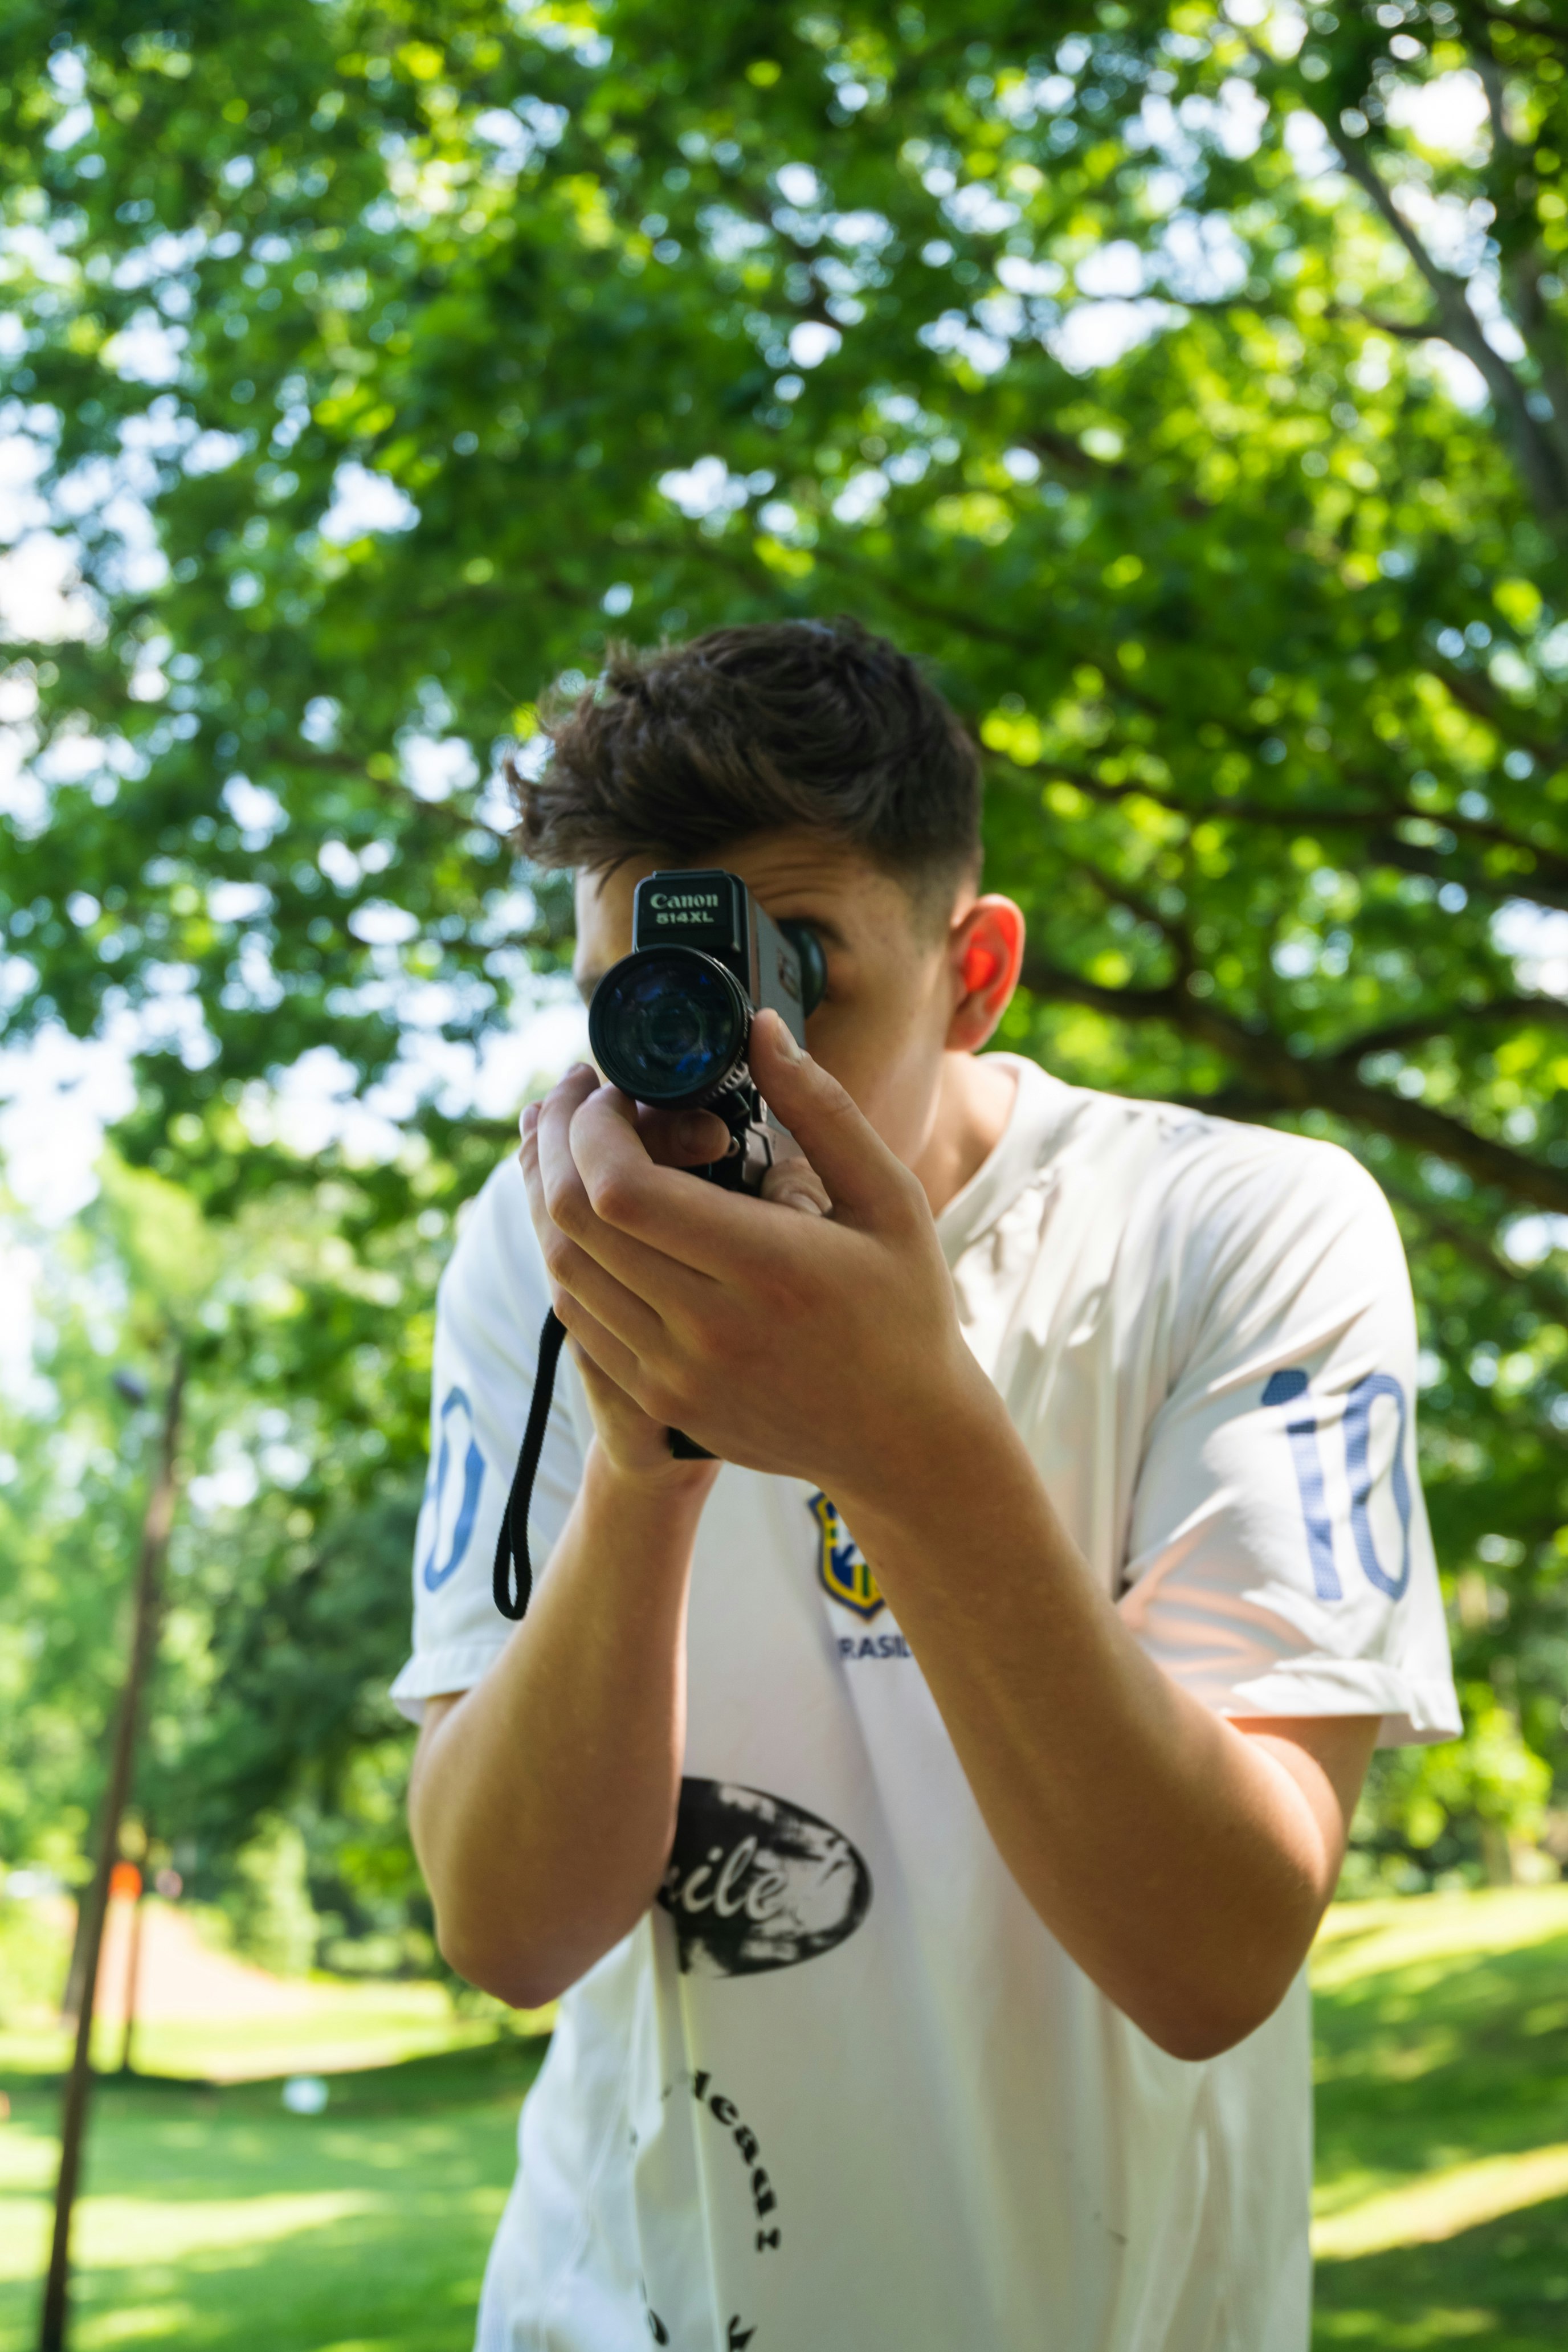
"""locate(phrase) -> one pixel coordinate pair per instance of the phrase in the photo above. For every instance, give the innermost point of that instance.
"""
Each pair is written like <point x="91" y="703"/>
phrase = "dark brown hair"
<point x="750" y="730"/>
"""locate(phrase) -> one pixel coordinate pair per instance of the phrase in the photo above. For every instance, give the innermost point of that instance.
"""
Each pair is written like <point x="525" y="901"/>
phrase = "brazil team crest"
<point x="841" y="1565"/>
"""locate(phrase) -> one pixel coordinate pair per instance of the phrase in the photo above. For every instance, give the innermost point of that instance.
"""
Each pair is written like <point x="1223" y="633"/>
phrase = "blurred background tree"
<point x="271" y="1757"/>
<point x="1188" y="386"/>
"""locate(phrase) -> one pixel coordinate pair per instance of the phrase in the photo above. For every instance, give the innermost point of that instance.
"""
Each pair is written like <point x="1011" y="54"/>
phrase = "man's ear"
<point x="985" y="953"/>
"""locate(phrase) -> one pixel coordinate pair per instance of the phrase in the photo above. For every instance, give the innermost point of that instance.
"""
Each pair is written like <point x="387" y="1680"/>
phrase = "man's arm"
<point x="1183" y="1861"/>
<point x="543" y="1802"/>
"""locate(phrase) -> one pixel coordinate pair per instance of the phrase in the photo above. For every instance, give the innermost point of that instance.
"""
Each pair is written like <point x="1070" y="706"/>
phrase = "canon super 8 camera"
<point x="670" y="1024"/>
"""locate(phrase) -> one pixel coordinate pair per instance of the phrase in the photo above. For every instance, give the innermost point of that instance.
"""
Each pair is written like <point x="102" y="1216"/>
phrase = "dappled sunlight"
<point x="1442" y="2125"/>
<point x="113" y="2232"/>
<point x="1456" y="2200"/>
<point x="1361" y="1939"/>
<point x="218" y="2219"/>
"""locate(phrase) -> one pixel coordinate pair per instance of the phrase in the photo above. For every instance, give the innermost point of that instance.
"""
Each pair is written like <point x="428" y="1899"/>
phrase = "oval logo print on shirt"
<point x="756" y="1882"/>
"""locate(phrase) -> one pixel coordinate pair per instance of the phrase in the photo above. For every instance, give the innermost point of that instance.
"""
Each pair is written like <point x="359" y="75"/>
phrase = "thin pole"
<point x="70" y="2000"/>
<point x="133" y="1975"/>
<point x="155" y="1526"/>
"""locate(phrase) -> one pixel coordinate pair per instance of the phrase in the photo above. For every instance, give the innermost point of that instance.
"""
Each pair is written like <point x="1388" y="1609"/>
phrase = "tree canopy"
<point x="1187" y="385"/>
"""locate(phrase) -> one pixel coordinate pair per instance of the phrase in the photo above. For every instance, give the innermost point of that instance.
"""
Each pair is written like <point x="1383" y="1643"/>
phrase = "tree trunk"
<point x="132" y="1977"/>
<point x="1497" y="1855"/>
<point x="155" y="1527"/>
<point x="70" y="2000"/>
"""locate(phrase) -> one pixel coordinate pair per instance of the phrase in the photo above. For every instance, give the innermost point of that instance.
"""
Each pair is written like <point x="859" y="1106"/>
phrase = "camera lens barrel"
<point x="670" y="1024"/>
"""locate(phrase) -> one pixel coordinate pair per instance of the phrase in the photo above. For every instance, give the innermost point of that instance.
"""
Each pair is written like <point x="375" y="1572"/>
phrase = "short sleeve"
<point x="1279" y="1558"/>
<point x="489" y="1312"/>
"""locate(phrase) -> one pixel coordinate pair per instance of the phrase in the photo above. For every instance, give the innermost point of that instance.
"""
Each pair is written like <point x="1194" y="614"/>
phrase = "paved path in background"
<point x="181" y="1980"/>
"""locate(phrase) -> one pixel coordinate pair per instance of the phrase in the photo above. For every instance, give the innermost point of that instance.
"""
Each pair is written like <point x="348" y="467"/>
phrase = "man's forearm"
<point x="1182" y="1863"/>
<point x="543" y="1800"/>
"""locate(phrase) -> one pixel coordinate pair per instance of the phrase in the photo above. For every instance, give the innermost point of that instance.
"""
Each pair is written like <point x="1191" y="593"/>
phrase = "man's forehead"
<point x="605" y="899"/>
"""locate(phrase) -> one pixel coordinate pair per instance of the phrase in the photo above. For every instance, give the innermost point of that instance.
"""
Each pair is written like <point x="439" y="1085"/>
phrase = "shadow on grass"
<point x="1433" y="2065"/>
<point x="1504" y="2286"/>
<point x="215" y="2217"/>
<point x="1429" y="2065"/>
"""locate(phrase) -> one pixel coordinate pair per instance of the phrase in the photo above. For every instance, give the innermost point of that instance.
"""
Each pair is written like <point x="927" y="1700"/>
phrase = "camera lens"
<point x="669" y="1024"/>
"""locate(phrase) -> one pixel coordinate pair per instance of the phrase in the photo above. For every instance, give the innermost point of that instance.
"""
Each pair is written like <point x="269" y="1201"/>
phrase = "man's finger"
<point x="575" y="1273"/>
<point x="795" y="1184"/>
<point x="577" y="1276"/>
<point x="579" y="1083"/>
<point x="666" y="1281"/>
<point x="706" y="1229"/>
<point x="598" y="1350"/>
<point x="682" y="1138"/>
<point x="837" y="1137"/>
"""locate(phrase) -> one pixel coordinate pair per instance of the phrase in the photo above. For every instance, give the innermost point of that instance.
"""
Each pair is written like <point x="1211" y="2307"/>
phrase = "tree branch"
<point x="1543" y="1289"/>
<point x="1121" y="894"/>
<point x="1385" y="848"/>
<point x="1477" y="694"/>
<point x="1295" y="1083"/>
<point x="1543" y="338"/>
<point x="1405" y="331"/>
<point x="385" y="788"/>
<point x="1522" y="260"/>
<point x="1467" y="690"/>
<point x="1073" y="458"/>
<point x="1397" y="1034"/>
<point x="1542" y="29"/>
<point x="1548" y="888"/>
<point x="1538" y="460"/>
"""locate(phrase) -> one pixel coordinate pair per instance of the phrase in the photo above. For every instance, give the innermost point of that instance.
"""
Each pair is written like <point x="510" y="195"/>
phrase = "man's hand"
<point x="634" y="1444"/>
<point x="804" y="1344"/>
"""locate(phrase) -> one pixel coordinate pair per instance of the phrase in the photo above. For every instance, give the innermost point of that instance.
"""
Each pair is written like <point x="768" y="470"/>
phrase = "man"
<point x="923" y="1810"/>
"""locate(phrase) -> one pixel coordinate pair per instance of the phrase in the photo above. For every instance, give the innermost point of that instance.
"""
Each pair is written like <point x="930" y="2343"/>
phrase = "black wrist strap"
<point x="512" y="1543"/>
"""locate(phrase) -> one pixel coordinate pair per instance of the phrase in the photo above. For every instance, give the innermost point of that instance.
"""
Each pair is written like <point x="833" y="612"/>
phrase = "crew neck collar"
<point x="1040" y="1104"/>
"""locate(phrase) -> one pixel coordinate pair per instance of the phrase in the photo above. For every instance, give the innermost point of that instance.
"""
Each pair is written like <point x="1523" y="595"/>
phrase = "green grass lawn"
<point x="1443" y="2123"/>
<point x="346" y="2026"/>
<point x="215" y="2218"/>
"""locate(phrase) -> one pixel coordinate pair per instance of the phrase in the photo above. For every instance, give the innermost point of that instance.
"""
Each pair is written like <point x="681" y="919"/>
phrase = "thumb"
<point x="837" y="1137"/>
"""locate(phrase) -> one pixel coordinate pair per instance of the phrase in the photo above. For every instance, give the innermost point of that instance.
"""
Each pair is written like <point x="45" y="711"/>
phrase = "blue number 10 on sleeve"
<point x="473" y="1479"/>
<point x="1286" y="1388"/>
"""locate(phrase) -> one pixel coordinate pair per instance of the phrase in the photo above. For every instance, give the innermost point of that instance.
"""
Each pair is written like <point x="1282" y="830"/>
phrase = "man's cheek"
<point x="842" y="1045"/>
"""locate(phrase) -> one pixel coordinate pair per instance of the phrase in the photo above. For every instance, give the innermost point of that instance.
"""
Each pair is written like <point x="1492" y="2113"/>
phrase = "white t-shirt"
<point x="840" y="2091"/>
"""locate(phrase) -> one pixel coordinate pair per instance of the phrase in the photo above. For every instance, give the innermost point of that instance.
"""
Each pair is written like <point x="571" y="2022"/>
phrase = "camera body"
<point x="670" y="1022"/>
